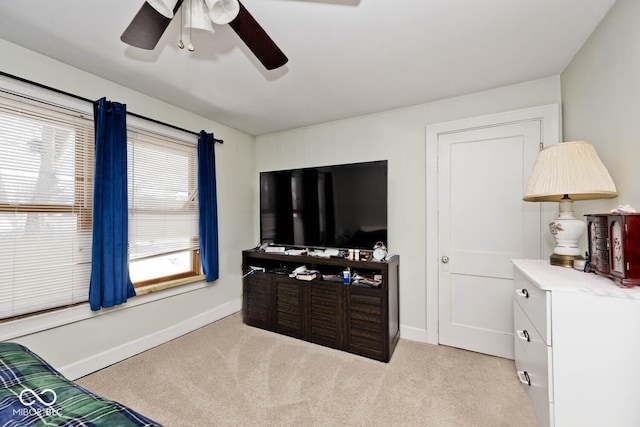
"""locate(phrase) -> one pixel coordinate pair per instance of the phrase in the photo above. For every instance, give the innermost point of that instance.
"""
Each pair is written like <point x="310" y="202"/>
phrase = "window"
<point x="163" y="209"/>
<point x="46" y="193"/>
<point x="46" y="197"/>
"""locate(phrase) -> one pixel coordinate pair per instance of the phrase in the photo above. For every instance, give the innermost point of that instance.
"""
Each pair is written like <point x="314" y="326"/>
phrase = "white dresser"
<point x="577" y="346"/>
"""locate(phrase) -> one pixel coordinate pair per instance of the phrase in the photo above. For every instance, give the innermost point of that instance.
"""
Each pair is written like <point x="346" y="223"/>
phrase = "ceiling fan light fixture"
<point x="196" y="16"/>
<point x="222" y="12"/>
<point x="163" y="7"/>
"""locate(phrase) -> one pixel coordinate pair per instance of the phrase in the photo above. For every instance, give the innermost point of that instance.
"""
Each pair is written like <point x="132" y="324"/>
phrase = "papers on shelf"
<point x="326" y="253"/>
<point x="295" y="251"/>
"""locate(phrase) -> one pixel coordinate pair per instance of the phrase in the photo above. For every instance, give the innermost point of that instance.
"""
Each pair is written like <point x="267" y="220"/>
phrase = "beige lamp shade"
<point x="571" y="168"/>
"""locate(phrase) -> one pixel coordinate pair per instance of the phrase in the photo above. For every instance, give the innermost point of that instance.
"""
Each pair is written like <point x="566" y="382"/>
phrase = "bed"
<point x="33" y="393"/>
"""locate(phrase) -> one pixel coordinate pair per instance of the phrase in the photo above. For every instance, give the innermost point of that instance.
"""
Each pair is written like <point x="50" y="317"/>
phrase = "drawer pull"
<point x="524" y="335"/>
<point x="522" y="293"/>
<point x="523" y="376"/>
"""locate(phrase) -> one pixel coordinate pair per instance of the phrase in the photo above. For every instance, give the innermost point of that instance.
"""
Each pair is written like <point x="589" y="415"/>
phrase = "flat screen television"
<point x="340" y="206"/>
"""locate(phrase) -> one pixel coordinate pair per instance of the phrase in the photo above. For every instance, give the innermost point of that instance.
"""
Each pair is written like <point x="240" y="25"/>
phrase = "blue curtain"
<point x="208" y="202"/>
<point x="110" y="282"/>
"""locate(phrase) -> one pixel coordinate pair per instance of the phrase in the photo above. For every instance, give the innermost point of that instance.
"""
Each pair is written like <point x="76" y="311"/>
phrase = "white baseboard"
<point x="413" y="334"/>
<point x="101" y="360"/>
<point x="39" y="322"/>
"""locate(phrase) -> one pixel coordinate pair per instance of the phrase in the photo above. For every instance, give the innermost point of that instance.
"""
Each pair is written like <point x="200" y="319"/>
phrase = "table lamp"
<point x="564" y="173"/>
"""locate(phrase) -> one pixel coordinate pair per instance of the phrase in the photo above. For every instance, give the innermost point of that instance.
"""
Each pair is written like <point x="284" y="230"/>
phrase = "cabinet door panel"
<point x="289" y="303"/>
<point x="365" y="328"/>
<point x="325" y="314"/>
<point x="256" y="301"/>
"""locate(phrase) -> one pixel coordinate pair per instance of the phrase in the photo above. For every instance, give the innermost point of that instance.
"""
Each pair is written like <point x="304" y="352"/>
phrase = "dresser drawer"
<point x="535" y="303"/>
<point x="542" y="408"/>
<point x="534" y="352"/>
<point x="533" y="366"/>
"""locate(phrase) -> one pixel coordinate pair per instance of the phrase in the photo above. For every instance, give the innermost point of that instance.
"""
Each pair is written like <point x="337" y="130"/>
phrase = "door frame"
<point x="549" y="115"/>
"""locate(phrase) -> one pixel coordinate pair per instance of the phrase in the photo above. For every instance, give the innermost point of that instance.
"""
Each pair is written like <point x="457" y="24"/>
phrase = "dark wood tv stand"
<point x="358" y="319"/>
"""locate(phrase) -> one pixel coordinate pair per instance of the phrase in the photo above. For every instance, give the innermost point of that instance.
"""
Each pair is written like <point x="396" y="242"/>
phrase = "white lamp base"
<point x="567" y="231"/>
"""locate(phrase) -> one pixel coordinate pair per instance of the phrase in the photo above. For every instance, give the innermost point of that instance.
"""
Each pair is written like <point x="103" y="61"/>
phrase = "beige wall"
<point x="601" y="101"/>
<point x="126" y="329"/>
<point x="399" y="137"/>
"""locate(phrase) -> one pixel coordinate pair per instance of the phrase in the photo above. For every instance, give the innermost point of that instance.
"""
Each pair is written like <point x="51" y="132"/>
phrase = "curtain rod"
<point x="62" y="92"/>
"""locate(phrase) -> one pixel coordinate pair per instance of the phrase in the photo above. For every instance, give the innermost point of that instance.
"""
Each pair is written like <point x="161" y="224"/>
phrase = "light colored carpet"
<point x="230" y="374"/>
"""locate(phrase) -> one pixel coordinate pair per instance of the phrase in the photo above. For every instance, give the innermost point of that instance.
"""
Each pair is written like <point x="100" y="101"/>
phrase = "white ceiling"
<point x="346" y="57"/>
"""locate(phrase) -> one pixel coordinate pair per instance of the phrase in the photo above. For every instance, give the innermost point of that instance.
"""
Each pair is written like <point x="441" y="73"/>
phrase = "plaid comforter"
<point x="32" y="393"/>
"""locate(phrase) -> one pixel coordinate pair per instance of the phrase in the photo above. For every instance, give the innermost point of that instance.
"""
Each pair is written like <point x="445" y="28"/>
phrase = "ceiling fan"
<point x="154" y="17"/>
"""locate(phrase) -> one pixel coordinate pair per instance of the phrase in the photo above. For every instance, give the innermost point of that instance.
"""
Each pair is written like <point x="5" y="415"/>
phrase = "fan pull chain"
<point x="180" y="42"/>
<point x="190" y="47"/>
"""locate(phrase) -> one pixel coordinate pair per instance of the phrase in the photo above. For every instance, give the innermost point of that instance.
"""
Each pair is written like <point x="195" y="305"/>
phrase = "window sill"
<point x="144" y="290"/>
<point x="20" y="327"/>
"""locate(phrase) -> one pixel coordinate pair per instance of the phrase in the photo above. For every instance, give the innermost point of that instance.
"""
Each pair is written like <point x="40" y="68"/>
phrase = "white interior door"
<point x="483" y="224"/>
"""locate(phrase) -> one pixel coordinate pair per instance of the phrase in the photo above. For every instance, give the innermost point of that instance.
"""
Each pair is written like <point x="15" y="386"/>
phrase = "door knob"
<point x="445" y="259"/>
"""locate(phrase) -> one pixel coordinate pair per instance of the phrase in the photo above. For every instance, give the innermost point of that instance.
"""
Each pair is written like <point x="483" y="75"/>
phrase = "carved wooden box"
<point x="624" y="248"/>
<point x="597" y="231"/>
<point x="614" y="246"/>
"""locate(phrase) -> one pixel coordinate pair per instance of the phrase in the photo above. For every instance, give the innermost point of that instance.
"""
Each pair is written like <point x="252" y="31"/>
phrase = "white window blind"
<point x="46" y="196"/>
<point x="163" y="202"/>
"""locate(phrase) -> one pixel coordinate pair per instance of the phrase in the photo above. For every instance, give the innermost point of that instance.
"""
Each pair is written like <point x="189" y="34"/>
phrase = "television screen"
<point x="342" y="206"/>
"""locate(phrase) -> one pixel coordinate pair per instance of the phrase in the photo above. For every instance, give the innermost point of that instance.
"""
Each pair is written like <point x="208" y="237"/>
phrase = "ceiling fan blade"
<point x="147" y="27"/>
<point x="257" y="40"/>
